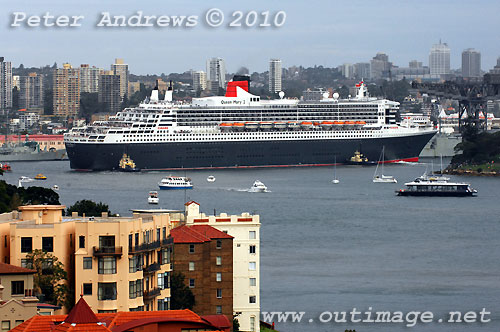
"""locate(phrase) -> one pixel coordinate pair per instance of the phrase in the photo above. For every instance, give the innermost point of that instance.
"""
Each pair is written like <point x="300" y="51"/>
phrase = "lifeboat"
<point x="226" y="126"/>
<point x="280" y="125"/>
<point x="338" y="124"/>
<point x="349" y="123"/>
<point x="326" y="125"/>
<point x="251" y="125"/>
<point x="238" y="126"/>
<point x="360" y="124"/>
<point x="293" y="125"/>
<point x="266" y="125"/>
<point x="306" y="124"/>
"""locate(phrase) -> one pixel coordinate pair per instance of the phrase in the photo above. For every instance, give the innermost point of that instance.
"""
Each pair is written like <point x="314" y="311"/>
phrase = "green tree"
<point x="89" y="105"/>
<point x="181" y="296"/>
<point x="90" y="208"/>
<point x="15" y="98"/>
<point x="48" y="103"/>
<point x="11" y="197"/>
<point x="236" y="325"/>
<point x="49" y="279"/>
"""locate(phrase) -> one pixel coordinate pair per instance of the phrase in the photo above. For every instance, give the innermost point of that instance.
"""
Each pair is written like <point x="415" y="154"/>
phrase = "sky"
<point x="315" y="32"/>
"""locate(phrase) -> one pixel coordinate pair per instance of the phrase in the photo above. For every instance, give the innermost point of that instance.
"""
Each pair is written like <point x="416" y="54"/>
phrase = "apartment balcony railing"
<point x="108" y="251"/>
<point x="150" y="246"/>
<point x="151" y="294"/>
<point x="151" y="268"/>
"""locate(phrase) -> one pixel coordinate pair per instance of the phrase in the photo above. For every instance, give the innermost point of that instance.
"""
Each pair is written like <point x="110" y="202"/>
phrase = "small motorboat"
<point x="55" y="187"/>
<point x="24" y="179"/>
<point x="175" y="182"/>
<point x="258" y="187"/>
<point x="153" y="197"/>
<point x="211" y="178"/>
<point x="40" y="176"/>
<point x="5" y="167"/>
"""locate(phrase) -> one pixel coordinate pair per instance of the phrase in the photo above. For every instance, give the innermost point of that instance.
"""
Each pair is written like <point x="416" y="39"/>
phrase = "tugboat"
<point x="127" y="164"/>
<point x="175" y="182"/>
<point x="359" y="159"/>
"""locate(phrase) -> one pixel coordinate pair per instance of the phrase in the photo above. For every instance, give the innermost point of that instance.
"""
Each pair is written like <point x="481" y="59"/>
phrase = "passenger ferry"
<point x="175" y="182"/>
<point x="436" y="186"/>
<point x="242" y="130"/>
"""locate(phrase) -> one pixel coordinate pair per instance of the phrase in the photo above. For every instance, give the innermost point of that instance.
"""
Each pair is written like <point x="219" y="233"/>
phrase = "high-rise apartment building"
<point x="5" y="85"/>
<point x="380" y="66"/>
<point x="121" y="69"/>
<point x="89" y="78"/>
<point x="66" y="91"/>
<point x="116" y="263"/>
<point x="109" y="92"/>
<point x="216" y="72"/>
<point x="362" y="70"/>
<point x="199" y="80"/>
<point x="439" y="60"/>
<point x="245" y="230"/>
<point x="471" y="63"/>
<point x="275" y="75"/>
<point x="31" y="93"/>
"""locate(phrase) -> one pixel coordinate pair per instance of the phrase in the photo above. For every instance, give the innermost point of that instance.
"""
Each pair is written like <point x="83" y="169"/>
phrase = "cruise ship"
<point x="242" y="130"/>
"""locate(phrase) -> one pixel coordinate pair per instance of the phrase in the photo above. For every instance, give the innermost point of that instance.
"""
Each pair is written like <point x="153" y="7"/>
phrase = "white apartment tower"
<point x="274" y="75"/>
<point x="439" y="60"/>
<point x="216" y="71"/>
<point x="5" y="85"/>
<point x="89" y="78"/>
<point x="121" y="69"/>
<point x="245" y="229"/>
<point x="199" y="80"/>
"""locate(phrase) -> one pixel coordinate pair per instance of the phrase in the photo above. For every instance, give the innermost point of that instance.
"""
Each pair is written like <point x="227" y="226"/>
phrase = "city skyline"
<point x="341" y="32"/>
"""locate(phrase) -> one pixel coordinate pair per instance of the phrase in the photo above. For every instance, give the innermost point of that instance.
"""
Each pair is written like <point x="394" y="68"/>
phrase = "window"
<point x="191" y="283"/>
<point x="81" y="241"/>
<point x="158" y="234"/>
<point x="218" y="260"/>
<point x="87" y="289"/>
<point x="219" y="293"/>
<point x="106" y="291"/>
<point x="252" y="323"/>
<point x="252" y="266"/>
<point x="107" y="265"/>
<point x="131" y="290"/>
<point x="19" y="321"/>
<point x="130" y="242"/>
<point x="17" y="287"/>
<point x="139" y="288"/>
<point x="253" y="281"/>
<point x="48" y="244"/>
<point x="218" y="276"/>
<point x="219" y="244"/>
<point x="5" y="325"/>
<point x="165" y="256"/>
<point x="252" y="299"/>
<point x="252" y="235"/>
<point x="252" y="249"/>
<point x="164" y="304"/>
<point x="191" y="266"/>
<point x="164" y="233"/>
<point x="87" y="263"/>
<point x="218" y="310"/>
<point x="26" y="244"/>
<point x="107" y="241"/>
<point x="191" y="248"/>
<point x="136" y="239"/>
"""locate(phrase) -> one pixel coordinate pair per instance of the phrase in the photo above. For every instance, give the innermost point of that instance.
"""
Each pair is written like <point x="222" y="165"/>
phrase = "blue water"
<point x="332" y="247"/>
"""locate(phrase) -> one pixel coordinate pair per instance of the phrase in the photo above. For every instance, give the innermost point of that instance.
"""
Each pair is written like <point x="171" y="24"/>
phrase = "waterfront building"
<point x="109" y="92"/>
<point x="31" y="93"/>
<point x="275" y="73"/>
<point x="204" y="255"/>
<point x="199" y="80"/>
<point x="5" y="85"/>
<point x="82" y="318"/>
<point x="66" y="100"/>
<point x="17" y="301"/>
<point x="439" y="60"/>
<point x="45" y="142"/>
<point x="245" y="230"/>
<point x="27" y="119"/>
<point x="471" y="63"/>
<point x="117" y="263"/>
<point x="121" y="69"/>
<point x="89" y="78"/>
<point x="216" y="72"/>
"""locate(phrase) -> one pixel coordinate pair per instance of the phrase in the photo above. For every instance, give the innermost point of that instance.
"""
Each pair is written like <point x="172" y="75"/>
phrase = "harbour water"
<point x="335" y="247"/>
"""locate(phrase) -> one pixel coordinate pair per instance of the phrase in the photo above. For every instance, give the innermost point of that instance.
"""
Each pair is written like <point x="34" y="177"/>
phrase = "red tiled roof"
<point x="12" y="269"/>
<point x="197" y="234"/>
<point x="191" y="202"/>
<point x="81" y="313"/>
<point x="221" y="321"/>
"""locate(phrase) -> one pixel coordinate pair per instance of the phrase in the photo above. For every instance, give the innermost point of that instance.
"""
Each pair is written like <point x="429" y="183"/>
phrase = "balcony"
<point x="151" y="268"/>
<point x="108" y="251"/>
<point x="150" y="246"/>
<point x="151" y="294"/>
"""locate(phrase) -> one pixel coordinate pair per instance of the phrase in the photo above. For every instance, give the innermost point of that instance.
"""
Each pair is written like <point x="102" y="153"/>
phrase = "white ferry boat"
<point x="435" y="186"/>
<point x="242" y="130"/>
<point x="258" y="187"/>
<point x="175" y="182"/>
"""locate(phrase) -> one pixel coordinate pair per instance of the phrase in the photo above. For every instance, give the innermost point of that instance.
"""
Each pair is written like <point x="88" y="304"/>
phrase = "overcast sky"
<point x="327" y="32"/>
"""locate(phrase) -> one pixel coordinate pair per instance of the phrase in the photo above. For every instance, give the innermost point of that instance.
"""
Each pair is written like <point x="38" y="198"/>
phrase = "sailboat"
<point x="335" y="179"/>
<point x="382" y="178"/>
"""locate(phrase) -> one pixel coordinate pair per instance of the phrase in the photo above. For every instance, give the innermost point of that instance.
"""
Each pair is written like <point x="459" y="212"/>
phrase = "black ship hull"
<point x="234" y="154"/>
<point x="436" y="193"/>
